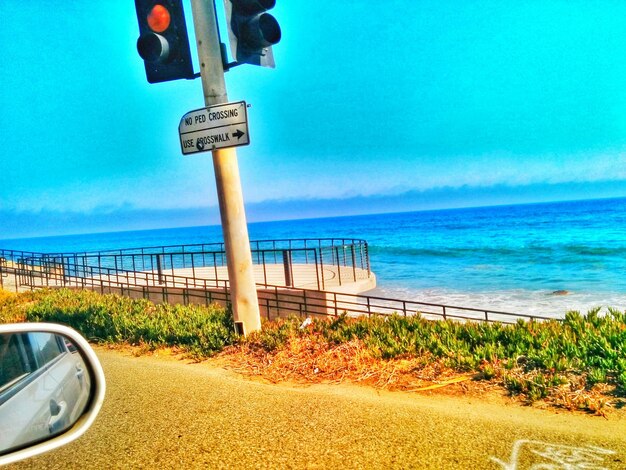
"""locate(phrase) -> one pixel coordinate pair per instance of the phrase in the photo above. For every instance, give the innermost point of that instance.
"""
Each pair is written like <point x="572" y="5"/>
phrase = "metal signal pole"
<point x="232" y="212"/>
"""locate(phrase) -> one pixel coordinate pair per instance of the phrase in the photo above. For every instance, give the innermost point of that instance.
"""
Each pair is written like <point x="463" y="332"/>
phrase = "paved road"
<point x="164" y="413"/>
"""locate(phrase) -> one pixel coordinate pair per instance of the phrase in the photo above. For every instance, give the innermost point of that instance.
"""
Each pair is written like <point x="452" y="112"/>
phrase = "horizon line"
<point x="343" y="216"/>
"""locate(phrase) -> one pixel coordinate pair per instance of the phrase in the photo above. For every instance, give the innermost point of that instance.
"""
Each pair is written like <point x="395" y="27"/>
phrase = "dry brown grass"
<point x="13" y="305"/>
<point x="312" y="360"/>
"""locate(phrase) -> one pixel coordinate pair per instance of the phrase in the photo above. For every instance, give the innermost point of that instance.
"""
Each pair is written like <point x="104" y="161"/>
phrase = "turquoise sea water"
<point x="506" y="257"/>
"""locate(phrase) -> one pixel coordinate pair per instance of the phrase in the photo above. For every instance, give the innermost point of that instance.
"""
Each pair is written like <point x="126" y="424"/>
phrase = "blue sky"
<point x="373" y="106"/>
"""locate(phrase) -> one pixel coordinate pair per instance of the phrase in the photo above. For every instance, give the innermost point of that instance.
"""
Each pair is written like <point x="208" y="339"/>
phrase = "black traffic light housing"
<point x="252" y="31"/>
<point x="163" y="43"/>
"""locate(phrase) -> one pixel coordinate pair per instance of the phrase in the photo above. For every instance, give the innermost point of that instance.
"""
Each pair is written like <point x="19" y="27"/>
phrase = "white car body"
<point x="48" y="397"/>
<point x="51" y="388"/>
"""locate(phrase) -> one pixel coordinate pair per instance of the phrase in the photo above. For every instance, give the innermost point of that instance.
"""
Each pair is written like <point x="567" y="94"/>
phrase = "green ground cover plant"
<point x="196" y="330"/>
<point x="577" y="363"/>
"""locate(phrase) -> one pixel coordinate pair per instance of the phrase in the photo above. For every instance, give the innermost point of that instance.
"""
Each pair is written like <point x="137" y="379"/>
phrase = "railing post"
<point x="322" y="267"/>
<point x="287" y="265"/>
<point x="65" y="270"/>
<point x="353" y="261"/>
<point x="361" y="263"/>
<point x="159" y="269"/>
<point x="31" y="276"/>
<point x="338" y="264"/>
<point x="45" y="269"/>
<point x="264" y="267"/>
<point x="215" y="269"/>
<point x="317" y="273"/>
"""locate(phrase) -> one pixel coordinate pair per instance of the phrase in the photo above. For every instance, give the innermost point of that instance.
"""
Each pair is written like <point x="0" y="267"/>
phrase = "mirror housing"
<point x="57" y="432"/>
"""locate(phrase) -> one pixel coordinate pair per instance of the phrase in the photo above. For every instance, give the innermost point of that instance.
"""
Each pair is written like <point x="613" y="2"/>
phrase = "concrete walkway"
<point x="346" y="280"/>
<point x="304" y="276"/>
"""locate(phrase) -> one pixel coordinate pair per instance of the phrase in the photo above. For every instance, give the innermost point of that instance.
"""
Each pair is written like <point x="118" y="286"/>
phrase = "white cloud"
<point x="194" y="186"/>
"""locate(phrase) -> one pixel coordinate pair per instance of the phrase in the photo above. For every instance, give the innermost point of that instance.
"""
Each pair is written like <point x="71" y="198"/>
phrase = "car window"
<point x="46" y="347"/>
<point x="24" y="353"/>
<point x="14" y="364"/>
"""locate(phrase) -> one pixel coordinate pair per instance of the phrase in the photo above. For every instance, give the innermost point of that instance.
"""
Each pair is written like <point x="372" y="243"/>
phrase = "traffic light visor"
<point x="269" y="28"/>
<point x="153" y="48"/>
<point x="260" y="31"/>
<point x="159" y="18"/>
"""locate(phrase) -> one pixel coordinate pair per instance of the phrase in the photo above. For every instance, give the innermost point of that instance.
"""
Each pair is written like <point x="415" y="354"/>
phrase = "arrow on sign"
<point x="238" y="134"/>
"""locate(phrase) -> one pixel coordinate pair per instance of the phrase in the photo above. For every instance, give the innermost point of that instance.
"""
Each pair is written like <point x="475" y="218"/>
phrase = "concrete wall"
<point x="273" y="303"/>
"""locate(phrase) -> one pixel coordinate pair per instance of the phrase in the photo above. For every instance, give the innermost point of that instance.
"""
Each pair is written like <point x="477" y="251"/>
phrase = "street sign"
<point x="217" y="127"/>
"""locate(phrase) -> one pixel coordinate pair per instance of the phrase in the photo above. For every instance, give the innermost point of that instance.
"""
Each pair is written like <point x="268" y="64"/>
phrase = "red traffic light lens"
<point x="159" y="18"/>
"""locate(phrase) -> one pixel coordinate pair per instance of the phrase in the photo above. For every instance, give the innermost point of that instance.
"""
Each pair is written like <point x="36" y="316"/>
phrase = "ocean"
<point x="511" y="258"/>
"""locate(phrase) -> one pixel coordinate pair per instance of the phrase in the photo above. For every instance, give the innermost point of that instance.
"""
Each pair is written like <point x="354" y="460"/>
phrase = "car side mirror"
<point x="51" y="388"/>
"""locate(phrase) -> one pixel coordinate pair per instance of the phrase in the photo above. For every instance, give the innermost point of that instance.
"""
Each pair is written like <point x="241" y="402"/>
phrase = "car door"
<point x="43" y="388"/>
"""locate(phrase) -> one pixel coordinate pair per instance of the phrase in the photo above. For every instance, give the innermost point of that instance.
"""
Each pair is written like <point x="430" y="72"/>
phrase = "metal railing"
<point x="332" y="261"/>
<point x="3" y="271"/>
<point x="145" y="279"/>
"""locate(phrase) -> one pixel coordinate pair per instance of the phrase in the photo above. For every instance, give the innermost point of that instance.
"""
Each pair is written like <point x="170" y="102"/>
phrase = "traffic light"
<point x="163" y="42"/>
<point x="252" y="31"/>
